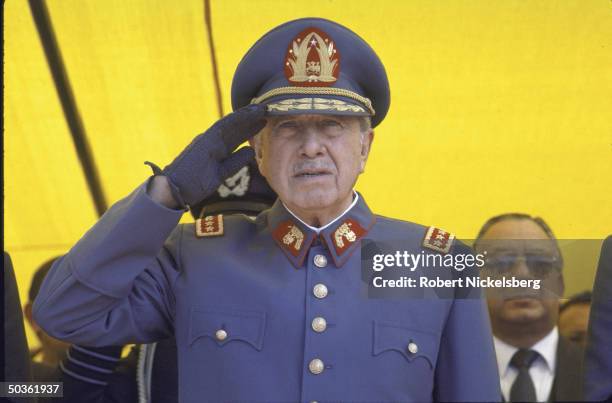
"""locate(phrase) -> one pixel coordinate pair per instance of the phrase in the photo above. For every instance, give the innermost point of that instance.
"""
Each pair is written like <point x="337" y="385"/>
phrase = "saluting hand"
<point x="209" y="159"/>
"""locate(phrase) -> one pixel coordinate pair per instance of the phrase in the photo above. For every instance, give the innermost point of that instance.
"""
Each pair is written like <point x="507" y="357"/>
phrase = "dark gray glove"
<point x="208" y="160"/>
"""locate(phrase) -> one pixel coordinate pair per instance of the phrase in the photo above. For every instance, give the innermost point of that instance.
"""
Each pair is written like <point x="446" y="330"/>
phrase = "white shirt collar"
<point x="319" y="229"/>
<point x="546" y="347"/>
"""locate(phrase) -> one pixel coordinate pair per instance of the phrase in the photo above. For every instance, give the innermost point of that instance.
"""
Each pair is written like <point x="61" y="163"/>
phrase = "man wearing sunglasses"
<point x="535" y="363"/>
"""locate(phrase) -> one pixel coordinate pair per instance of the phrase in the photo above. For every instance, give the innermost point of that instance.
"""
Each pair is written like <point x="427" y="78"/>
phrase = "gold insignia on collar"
<point x="344" y="231"/>
<point x="210" y="225"/>
<point x="438" y="240"/>
<point x="295" y="237"/>
<point x="289" y="236"/>
<point x="346" y="234"/>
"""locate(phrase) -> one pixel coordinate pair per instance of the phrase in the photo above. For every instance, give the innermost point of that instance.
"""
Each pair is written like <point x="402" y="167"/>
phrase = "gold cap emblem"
<point x="312" y="59"/>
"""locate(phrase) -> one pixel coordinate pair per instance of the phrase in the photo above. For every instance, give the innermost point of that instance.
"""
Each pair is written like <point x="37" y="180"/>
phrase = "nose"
<point x="521" y="269"/>
<point x="312" y="143"/>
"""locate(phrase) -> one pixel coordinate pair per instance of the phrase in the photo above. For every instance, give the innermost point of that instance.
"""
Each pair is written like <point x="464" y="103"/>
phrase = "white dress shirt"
<point x="542" y="371"/>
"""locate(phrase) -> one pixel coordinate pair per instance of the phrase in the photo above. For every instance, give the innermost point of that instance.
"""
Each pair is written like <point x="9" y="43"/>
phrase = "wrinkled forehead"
<point x="515" y="228"/>
<point x="544" y="247"/>
<point x="520" y="236"/>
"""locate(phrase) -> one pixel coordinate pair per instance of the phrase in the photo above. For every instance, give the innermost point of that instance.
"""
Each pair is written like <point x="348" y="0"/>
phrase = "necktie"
<point x="522" y="389"/>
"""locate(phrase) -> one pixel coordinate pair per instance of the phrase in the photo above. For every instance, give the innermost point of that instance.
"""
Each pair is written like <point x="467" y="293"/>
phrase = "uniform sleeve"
<point x="98" y="375"/>
<point x="114" y="287"/>
<point x="598" y="361"/>
<point x="467" y="365"/>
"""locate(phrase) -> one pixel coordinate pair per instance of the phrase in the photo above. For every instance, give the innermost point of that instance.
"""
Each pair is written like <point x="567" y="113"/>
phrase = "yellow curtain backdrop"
<point x="496" y="107"/>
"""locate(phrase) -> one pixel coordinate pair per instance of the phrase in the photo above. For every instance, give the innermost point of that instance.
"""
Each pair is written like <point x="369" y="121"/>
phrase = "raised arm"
<point x="115" y="286"/>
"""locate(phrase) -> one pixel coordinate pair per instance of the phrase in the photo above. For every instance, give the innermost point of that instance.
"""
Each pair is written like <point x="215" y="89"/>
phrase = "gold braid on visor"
<point x="329" y="104"/>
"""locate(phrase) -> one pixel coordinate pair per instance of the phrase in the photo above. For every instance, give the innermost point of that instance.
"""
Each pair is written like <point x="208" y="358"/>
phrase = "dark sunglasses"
<point x="539" y="265"/>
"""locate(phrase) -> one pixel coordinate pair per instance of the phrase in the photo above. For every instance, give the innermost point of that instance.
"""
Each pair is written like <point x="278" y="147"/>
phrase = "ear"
<point x="27" y="312"/>
<point x="556" y="285"/>
<point x="255" y="143"/>
<point x="366" y="145"/>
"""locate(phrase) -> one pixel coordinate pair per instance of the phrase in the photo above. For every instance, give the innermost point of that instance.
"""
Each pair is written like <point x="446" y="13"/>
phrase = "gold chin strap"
<point x="315" y="91"/>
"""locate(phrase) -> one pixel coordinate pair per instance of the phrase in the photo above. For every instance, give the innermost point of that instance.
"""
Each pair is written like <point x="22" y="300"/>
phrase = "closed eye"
<point x="331" y="123"/>
<point x="287" y="124"/>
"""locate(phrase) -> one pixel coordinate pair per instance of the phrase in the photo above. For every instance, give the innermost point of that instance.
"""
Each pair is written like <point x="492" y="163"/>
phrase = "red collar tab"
<point x="290" y="237"/>
<point x="346" y="234"/>
<point x="344" y="238"/>
<point x="340" y="239"/>
<point x="438" y="240"/>
<point x="293" y="240"/>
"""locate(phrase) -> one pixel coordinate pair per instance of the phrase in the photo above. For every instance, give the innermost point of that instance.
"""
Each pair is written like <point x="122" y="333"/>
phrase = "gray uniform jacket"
<point x="267" y="309"/>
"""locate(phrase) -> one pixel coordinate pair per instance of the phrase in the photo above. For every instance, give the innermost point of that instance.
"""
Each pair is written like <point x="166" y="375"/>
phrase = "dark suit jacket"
<point x="16" y="356"/>
<point x="598" y="364"/>
<point x="567" y="385"/>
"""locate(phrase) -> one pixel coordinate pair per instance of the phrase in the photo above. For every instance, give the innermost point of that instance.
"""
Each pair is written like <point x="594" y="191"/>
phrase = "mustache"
<point x="313" y="166"/>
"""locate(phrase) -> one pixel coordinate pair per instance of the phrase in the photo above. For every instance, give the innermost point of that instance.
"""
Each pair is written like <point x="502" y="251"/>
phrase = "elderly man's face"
<point x="527" y="253"/>
<point x="313" y="161"/>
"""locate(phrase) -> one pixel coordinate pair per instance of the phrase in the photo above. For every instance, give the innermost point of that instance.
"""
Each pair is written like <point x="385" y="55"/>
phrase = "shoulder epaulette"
<point x="209" y="225"/>
<point x="438" y="240"/>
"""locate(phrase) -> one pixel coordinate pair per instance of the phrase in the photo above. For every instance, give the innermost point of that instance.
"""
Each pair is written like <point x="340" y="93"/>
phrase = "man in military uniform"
<point x="271" y="309"/>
